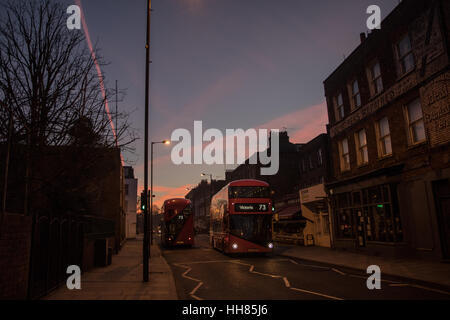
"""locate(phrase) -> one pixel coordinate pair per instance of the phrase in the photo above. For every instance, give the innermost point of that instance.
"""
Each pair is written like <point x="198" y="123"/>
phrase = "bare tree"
<point x="48" y="77"/>
<point x="49" y="84"/>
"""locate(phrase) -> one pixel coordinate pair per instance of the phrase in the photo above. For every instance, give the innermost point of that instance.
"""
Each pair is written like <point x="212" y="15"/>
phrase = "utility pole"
<point x="8" y="151"/>
<point x="146" y="247"/>
<point x="117" y="114"/>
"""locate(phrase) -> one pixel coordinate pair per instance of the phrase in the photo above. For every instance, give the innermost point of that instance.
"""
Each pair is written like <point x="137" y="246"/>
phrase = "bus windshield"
<point x="249" y="192"/>
<point x="252" y="227"/>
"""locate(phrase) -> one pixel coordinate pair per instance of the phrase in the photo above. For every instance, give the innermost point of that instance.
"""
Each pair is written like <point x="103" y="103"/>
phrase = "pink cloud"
<point x="303" y="124"/>
<point x="163" y="193"/>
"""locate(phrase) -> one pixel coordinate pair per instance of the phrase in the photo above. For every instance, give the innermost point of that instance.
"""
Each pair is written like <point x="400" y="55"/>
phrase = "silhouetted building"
<point x="200" y="197"/>
<point x="388" y="108"/>
<point x="130" y="203"/>
<point x="285" y="181"/>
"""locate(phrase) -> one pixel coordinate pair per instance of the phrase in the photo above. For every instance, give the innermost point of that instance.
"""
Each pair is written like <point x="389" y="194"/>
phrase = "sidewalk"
<point x="122" y="280"/>
<point x="423" y="270"/>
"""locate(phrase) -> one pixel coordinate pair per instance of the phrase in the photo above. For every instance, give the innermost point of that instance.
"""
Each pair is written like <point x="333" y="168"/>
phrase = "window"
<point x="415" y="122"/>
<point x="344" y="155"/>
<point x="355" y="95"/>
<point x="371" y="213"/>
<point x="319" y="157"/>
<point x="375" y="80"/>
<point x="339" y="107"/>
<point x="361" y="147"/>
<point x="405" y="55"/>
<point x="383" y="137"/>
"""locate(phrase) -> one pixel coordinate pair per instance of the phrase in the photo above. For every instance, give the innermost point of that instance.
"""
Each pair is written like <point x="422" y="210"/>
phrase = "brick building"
<point x="288" y="175"/>
<point x="315" y="171"/>
<point x="388" y="108"/>
<point x="200" y="197"/>
<point x="75" y="216"/>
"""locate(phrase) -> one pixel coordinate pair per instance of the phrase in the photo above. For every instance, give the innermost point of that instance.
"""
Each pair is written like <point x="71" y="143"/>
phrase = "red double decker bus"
<point x="241" y="218"/>
<point x="177" y="225"/>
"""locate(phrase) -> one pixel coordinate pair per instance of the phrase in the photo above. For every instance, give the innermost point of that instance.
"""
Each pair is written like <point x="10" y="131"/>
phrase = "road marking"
<point x="398" y="284"/>
<point x="338" y="271"/>
<point x="317" y="294"/>
<point x="286" y="282"/>
<point x="184" y="275"/>
<point x="196" y="288"/>
<point x="293" y="261"/>
<point x="364" y="277"/>
<point x="419" y="287"/>
<point x="208" y="261"/>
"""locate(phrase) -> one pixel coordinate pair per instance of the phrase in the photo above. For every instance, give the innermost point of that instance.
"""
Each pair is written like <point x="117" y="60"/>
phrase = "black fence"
<point x="58" y="243"/>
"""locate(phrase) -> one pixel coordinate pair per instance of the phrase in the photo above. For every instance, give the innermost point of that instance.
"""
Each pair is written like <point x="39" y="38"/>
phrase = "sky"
<point x="229" y="63"/>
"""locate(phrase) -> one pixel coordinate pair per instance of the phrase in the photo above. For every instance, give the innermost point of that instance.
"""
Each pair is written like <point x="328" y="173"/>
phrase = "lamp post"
<point x="210" y="189"/>
<point x="166" y="142"/>
<point x="146" y="247"/>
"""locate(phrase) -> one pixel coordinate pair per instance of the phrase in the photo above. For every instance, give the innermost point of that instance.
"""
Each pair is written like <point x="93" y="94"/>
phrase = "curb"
<point x="173" y="288"/>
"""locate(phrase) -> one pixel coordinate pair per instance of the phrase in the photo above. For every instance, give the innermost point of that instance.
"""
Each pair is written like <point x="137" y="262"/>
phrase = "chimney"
<point x="362" y="36"/>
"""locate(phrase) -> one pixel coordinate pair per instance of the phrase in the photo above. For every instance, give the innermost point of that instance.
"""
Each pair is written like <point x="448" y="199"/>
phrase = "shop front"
<point x="314" y="208"/>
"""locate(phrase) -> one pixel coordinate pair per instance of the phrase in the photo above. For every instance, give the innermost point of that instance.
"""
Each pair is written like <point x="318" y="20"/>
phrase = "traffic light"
<point x="143" y="200"/>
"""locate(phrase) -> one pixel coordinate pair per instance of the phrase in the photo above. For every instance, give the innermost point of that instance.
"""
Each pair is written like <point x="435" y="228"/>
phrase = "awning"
<point x="288" y="212"/>
<point x="287" y="221"/>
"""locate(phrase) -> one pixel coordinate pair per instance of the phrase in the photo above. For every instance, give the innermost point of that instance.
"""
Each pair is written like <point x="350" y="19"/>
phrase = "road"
<point x="202" y="273"/>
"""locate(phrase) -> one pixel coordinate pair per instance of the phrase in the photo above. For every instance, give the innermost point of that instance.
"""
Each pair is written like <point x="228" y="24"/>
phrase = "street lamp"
<point x="210" y="187"/>
<point x="145" y="246"/>
<point x="166" y="142"/>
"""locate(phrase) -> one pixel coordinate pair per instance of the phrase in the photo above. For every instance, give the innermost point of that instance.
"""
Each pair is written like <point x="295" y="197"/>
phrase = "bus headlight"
<point x="270" y="245"/>
<point x="234" y="246"/>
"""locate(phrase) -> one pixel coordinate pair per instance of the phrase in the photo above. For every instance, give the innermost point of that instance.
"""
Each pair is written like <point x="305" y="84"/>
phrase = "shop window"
<point x="379" y="208"/>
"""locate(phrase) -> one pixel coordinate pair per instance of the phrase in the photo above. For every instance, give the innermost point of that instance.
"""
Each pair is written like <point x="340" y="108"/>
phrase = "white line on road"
<point x="196" y="288"/>
<point x="286" y="282"/>
<point x="364" y="277"/>
<point x="338" y="271"/>
<point x="184" y="275"/>
<point x="317" y="294"/>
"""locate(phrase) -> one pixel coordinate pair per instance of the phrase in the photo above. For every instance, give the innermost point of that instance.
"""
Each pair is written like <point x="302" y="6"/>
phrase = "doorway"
<point x="441" y="191"/>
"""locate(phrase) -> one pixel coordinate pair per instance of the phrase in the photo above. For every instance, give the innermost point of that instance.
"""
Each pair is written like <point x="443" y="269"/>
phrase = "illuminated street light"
<point x="165" y="142"/>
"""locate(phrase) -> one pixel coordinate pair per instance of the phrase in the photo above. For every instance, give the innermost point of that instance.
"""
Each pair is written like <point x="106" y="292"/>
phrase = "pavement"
<point x="122" y="280"/>
<point x="422" y="270"/>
